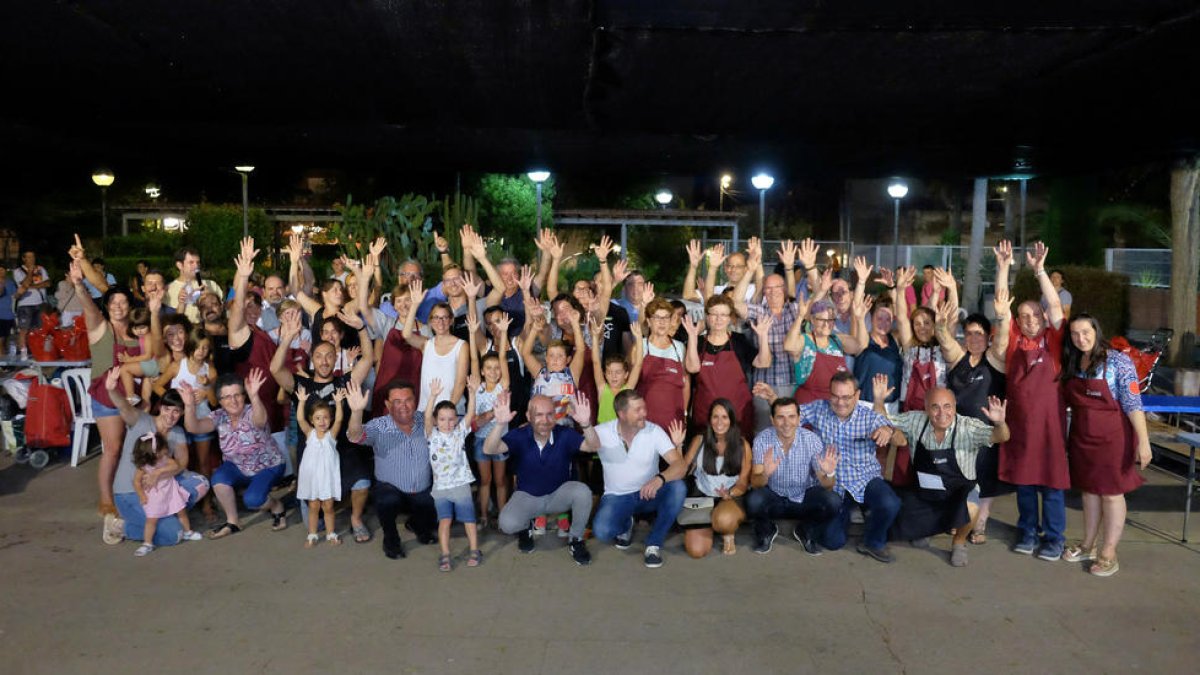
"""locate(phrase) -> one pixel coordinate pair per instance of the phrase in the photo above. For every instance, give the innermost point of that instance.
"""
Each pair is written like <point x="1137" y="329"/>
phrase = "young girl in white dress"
<point x="161" y="495"/>
<point x="320" y="479"/>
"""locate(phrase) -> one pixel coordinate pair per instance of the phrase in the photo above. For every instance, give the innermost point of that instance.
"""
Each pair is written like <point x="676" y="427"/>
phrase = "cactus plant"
<point x="456" y="212"/>
<point x="405" y="223"/>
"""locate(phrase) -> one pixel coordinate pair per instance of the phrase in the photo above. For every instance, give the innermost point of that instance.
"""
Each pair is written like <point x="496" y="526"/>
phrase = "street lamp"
<point x="663" y="197"/>
<point x="103" y="178"/>
<point x="245" y="170"/>
<point x="897" y="190"/>
<point x="726" y="181"/>
<point x="538" y="177"/>
<point x="762" y="182"/>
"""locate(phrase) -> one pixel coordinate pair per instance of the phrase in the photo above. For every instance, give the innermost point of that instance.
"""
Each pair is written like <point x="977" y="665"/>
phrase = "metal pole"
<point x="734" y="245"/>
<point x="896" y="235"/>
<point x="1023" y="182"/>
<point x="762" y="214"/>
<point x="624" y="241"/>
<point x="721" y="198"/>
<point x="104" y="212"/>
<point x="539" y="209"/>
<point x="245" y="205"/>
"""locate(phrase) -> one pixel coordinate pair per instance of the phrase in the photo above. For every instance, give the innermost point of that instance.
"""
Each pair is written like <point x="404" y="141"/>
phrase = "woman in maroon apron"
<point x="399" y="360"/>
<point x="663" y="382"/>
<point x="720" y="360"/>
<point x="1108" y="441"/>
<point x="924" y="366"/>
<point x="818" y="354"/>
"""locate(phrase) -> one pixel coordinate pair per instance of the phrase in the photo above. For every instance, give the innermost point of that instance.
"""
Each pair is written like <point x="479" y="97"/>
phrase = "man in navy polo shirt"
<point x="542" y="454"/>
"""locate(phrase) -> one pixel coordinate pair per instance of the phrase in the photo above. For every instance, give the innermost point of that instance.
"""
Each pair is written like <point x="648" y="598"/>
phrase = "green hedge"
<point x="1102" y="294"/>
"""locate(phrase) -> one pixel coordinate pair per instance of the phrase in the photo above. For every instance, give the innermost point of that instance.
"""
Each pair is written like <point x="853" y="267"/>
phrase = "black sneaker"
<point x="806" y="540"/>
<point x="764" y="543"/>
<point x="579" y="552"/>
<point x="525" y="543"/>
<point x="653" y="557"/>
<point x="393" y="550"/>
<point x="622" y="541"/>
<point x="422" y="537"/>
<point x="883" y="555"/>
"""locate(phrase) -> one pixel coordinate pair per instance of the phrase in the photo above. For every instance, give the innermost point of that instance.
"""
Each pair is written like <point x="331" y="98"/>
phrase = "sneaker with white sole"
<point x="623" y="540"/>
<point x="653" y="558"/>
<point x="144" y="550"/>
<point x="764" y="543"/>
<point x="114" y="529"/>
<point x="191" y="535"/>
<point x="1026" y="546"/>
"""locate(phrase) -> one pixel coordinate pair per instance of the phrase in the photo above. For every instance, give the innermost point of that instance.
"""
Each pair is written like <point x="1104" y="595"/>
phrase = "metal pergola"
<point x="651" y="218"/>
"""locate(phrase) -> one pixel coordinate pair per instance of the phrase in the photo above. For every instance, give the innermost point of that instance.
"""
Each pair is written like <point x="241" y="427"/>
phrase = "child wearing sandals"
<point x="320" y="479"/>
<point x="156" y="487"/>
<point x="495" y="380"/>
<point x="452" y="475"/>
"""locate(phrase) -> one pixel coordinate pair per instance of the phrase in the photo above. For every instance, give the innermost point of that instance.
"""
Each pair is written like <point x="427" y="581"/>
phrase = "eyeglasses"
<point x="819" y="319"/>
<point x="843" y="399"/>
<point x="439" y="317"/>
<point x="232" y="397"/>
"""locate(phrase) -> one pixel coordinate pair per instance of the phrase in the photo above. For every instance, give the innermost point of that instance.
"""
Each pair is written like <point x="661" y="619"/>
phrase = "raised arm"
<point x="691" y="359"/>
<point x="502" y="414"/>
<point x="338" y="413"/>
<point x="473" y="245"/>
<point x="472" y="392"/>
<point x="302" y="411"/>
<point x="904" y="279"/>
<point x="604" y="287"/>
<point x="193" y="424"/>
<point x="695" y="255"/>
<point x="1037" y="261"/>
<point x="129" y="414"/>
<point x="762" y="328"/>
<point x="946" y="280"/>
<point x="533" y="327"/>
<point x="416" y="292"/>
<point x="90" y="273"/>
<point x="556" y="254"/>
<point x="362" y="367"/>
<point x="998" y="351"/>
<point x="357" y="398"/>
<point x="296" y="274"/>
<point x="952" y="352"/>
<point x="862" y="273"/>
<point x="787" y="257"/>
<point x="597" y="331"/>
<point x="258" y="412"/>
<point x="289" y="329"/>
<point x="239" y="332"/>
<point x="854" y="343"/>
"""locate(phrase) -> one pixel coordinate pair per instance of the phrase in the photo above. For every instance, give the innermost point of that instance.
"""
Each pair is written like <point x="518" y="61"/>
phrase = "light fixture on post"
<point x="103" y="178"/>
<point x="726" y="181"/>
<point x="663" y="197"/>
<point x="538" y="177"/>
<point x="762" y="182"/>
<point x="245" y="170"/>
<point x="897" y="190"/>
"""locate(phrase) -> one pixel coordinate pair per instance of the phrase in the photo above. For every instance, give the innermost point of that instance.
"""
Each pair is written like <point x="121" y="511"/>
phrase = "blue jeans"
<point x="169" y="530"/>
<point x="258" y="487"/>
<point x="616" y="512"/>
<point x="818" y="508"/>
<point x="1054" y="513"/>
<point x="882" y="507"/>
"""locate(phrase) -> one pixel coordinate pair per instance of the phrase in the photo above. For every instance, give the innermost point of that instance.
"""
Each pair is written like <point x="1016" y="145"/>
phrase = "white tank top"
<point x="186" y="376"/>
<point x="437" y="367"/>
<point x="709" y="483"/>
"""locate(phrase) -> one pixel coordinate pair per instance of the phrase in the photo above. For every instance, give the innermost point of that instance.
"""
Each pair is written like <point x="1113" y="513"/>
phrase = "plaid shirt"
<point x="797" y="467"/>
<point x="779" y="374"/>
<point x="857" y="463"/>
<point x="401" y="459"/>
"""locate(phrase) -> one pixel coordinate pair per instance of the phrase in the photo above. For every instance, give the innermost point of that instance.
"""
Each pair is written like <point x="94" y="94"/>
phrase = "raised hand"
<point x="887" y="277"/>
<point x="771" y="461"/>
<point x="995" y="410"/>
<point x="353" y="321"/>
<point x="787" y="254"/>
<point x="356" y="397"/>
<point x="301" y="395"/>
<point x="77" y="252"/>
<point x="690" y="326"/>
<point x="635" y="329"/>
<point x="905" y="277"/>
<point x="472" y="382"/>
<point x="525" y="280"/>
<point x="880" y="387"/>
<point x="440" y="243"/>
<point x="947" y="313"/>
<point x="435" y="387"/>
<point x="764" y="391"/>
<point x="861" y="269"/>
<point x="556" y="247"/>
<point x="753" y="253"/>
<point x="75" y="273"/>
<point x="472" y="322"/>
<point x="862" y="306"/>
<point x="647" y="293"/>
<point x="716" y="255"/>
<point x="1037" y="257"/>
<point x="187" y="394"/>
<point x="339" y="395"/>
<point x="808" y="253"/>
<point x="352" y="356"/>
<point x="827" y="461"/>
<point x="245" y="258"/>
<point x="762" y="327"/>
<point x="695" y="252"/>
<point x="289" y="325"/>
<point x="604" y="248"/>
<point x="678" y="432"/>
<point x="376" y="248"/>
<point x="154" y="300"/>
<point x="502" y="324"/>
<point x="471" y="284"/>
<point x="620" y="271"/>
<point x="112" y="379"/>
<point x="503" y="413"/>
<point x="1002" y="304"/>
<point x="255" y="381"/>
<point x="1004" y="253"/>
<point x="416" y="291"/>
<point x="596" y="328"/>
<point x="943" y="278"/>
<point x="295" y="247"/>
<point x="581" y="408"/>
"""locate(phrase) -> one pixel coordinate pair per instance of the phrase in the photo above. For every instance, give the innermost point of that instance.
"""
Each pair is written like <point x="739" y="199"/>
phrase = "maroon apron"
<point x="721" y="376"/>
<point x="262" y="351"/>
<point x="816" y="387"/>
<point x="1103" y="447"/>
<point x="921" y="380"/>
<point x="97" y="389"/>
<point x="401" y="361"/>
<point x="1036" y="453"/>
<point x="661" y="385"/>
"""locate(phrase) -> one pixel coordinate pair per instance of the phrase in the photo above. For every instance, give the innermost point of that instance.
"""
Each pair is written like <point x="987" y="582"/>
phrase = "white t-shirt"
<point x="34" y="296"/>
<point x="626" y="470"/>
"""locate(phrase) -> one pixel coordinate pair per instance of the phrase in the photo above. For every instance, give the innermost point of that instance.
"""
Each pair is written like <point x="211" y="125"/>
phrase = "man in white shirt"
<point x="32" y="282"/>
<point x="630" y="448"/>
<point x="183" y="293"/>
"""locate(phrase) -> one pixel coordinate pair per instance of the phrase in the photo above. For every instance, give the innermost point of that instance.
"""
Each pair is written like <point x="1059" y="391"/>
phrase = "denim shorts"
<point x="192" y="438"/>
<point x="28" y="317"/>
<point x="481" y="456"/>
<point x="100" y="410"/>
<point x="455" y="503"/>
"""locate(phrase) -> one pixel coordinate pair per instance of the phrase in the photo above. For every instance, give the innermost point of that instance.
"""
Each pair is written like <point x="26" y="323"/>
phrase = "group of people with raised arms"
<point x="484" y="395"/>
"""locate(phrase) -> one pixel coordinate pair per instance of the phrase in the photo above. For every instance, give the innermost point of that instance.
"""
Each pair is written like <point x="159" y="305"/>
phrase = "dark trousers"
<point x="818" y="508"/>
<point x="391" y="500"/>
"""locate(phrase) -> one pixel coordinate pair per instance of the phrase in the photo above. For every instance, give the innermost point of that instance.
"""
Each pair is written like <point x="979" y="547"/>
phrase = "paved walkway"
<point x="260" y="602"/>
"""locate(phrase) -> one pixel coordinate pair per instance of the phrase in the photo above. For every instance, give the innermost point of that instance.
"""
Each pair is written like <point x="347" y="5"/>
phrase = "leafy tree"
<point x="216" y="230"/>
<point x="508" y="211"/>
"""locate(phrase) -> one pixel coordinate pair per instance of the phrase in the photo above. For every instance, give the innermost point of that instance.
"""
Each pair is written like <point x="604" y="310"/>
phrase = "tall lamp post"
<point x="103" y="178"/>
<point x="663" y="197"/>
<point x="538" y="177"/>
<point x="762" y="182"/>
<point x="897" y="190"/>
<point x="726" y="181"/>
<point x="245" y="170"/>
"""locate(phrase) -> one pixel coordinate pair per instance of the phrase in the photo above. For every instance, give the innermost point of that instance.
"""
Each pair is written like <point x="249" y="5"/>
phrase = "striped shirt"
<point x="779" y="373"/>
<point x="857" y="464"/>
<point x="401" y="458"/>
<point x="970" y="436"/>
<point x="797" y="467"/>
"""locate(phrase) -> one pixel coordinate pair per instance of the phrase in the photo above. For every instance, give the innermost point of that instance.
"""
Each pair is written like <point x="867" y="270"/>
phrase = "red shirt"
<point x="1051" y="336"/>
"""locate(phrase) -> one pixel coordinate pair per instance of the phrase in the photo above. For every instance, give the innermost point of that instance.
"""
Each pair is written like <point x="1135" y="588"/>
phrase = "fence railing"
<point x="1146" y="267"/>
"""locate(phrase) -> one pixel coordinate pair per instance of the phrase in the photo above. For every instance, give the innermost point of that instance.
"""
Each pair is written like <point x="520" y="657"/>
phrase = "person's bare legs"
<point x="184" y="521"/>
<point x="203" y="457"/>
<point x="961" y="533"/>
<point x="1093" y="511"/>
<point x="472" y="535"/>
<point x="485" y="490"/>
<point x="358" y="504"/>
<point x="314" y="518"/>
<point x="698" y="541"/>
<point x="444" y="535"/>
<point x="500" y="470"/>
<point x="149" y="530"/>
<point x="985" y="510"/>
<point x="327" y="510"/>
<point x="1114" y="510"/>
<point x="112" y="435"/>
<point x="227" y="498"/>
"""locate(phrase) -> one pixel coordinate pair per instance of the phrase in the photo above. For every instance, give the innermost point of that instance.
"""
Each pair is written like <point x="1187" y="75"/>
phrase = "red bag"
<point x="1144" y="362"/>
<point x="72" y="344"/>
<point x="47" y="417"/>
<point x="900" y="473"/>
<point x="41" y="345"/>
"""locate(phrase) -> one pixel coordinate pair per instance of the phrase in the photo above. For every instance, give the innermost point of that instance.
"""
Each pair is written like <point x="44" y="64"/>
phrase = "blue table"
<point x="1180" y="405"/>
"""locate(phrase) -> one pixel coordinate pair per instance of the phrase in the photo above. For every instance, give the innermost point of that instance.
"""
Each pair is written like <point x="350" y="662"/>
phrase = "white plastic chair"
<point x="76" y="382"/>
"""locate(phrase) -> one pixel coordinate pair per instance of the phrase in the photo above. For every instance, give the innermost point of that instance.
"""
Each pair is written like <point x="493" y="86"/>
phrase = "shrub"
<point x="1102" y="294"/>
<point x="145" y="244"/>
<point x="216" y="231"/>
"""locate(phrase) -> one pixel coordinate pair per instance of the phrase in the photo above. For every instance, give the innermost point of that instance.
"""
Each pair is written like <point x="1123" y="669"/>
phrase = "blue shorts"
<point x="100" y="410"/>
<point x="459" y="506"/>
<point x="192" y="438"/>
<point x="258" y="487"/>
<point x="481" y="456"/>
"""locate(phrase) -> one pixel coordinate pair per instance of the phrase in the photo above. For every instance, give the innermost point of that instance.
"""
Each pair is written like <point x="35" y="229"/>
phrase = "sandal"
<point x="361" y="534"/>
<point x="279" y="521"/>
<point x="444" y="563"/>
<point x="222" y="531"/>
<point x="977" y="538"/>
<point x="1077" y="553"/>
<point x="474" y="558"/>
<point x="333" y="538"/>
<point x="311" y="541"/>
<point x="1104" y="567"/>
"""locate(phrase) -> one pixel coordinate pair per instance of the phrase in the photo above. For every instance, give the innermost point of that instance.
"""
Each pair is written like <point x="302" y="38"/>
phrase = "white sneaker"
<point x="144" y="550"/>
<point x="653" y="557"/>
<point x="191" y="535"/>
<point x="114" y="529"/>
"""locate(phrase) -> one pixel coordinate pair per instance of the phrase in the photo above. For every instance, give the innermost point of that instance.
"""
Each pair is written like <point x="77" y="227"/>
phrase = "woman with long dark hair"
<point x="1108" y="441"/>
<point x="719" y="464"/>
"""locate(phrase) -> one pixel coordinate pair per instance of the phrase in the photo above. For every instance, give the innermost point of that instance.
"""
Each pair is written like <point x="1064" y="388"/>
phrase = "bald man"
<point x="944" y="445"/>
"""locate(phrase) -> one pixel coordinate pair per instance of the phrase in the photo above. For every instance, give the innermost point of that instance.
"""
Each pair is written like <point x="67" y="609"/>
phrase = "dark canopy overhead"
<point x="817" y="87"/>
